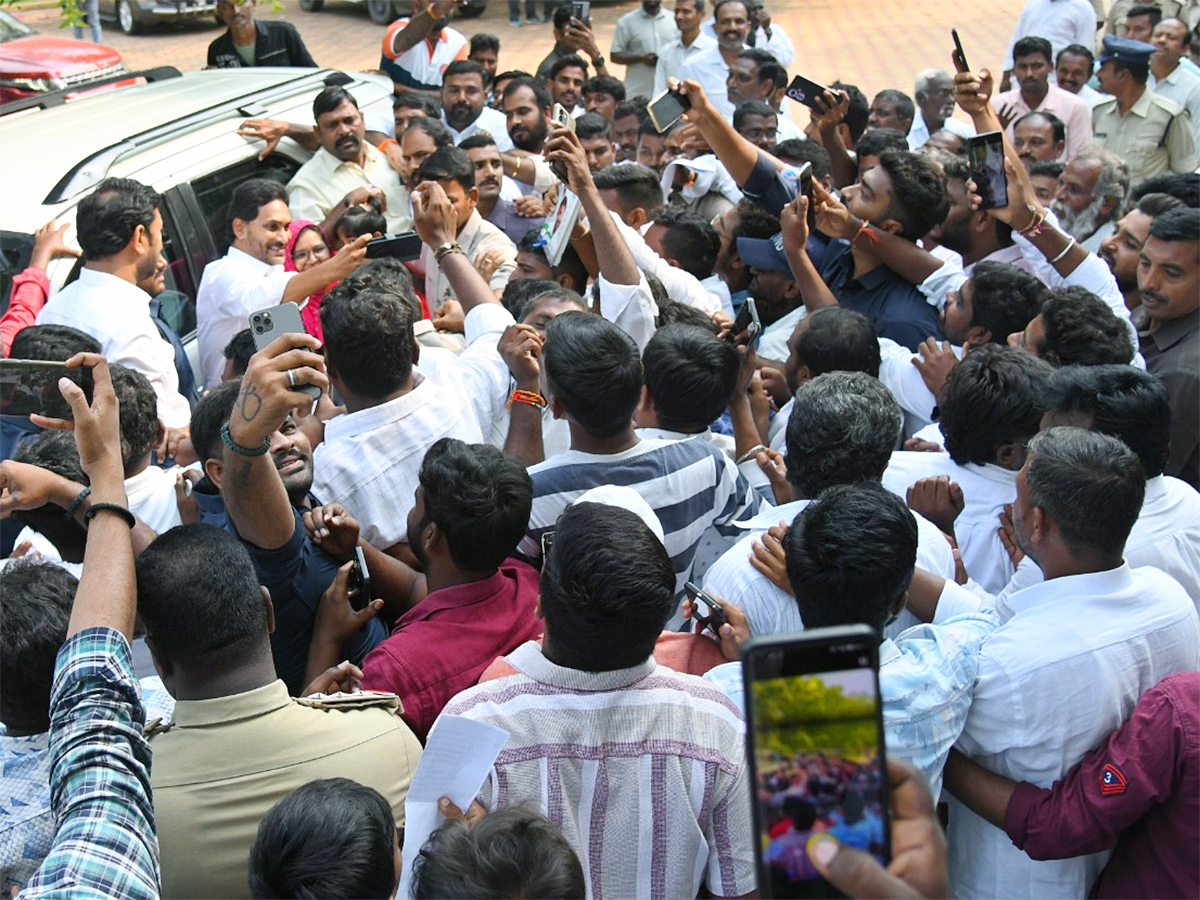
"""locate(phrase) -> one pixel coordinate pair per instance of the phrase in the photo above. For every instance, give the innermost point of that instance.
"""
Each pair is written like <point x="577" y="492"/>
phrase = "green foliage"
<point x="804" y="714"/>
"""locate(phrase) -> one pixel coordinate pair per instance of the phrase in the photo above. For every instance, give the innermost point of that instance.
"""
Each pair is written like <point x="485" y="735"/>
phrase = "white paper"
<point x="459" y="755"/>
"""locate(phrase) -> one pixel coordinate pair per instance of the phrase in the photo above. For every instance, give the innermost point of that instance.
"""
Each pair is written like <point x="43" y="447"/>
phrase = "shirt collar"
<point x="529" y="659"/>
<point x="888" y="650"/>
<point x="1141" y="106"/>
<point x="460" y="595"/>
<point x="1171" y="333"/>
<point x="234" y="708"/>
<point x="351" y="424"/>
<point x="241" y="257"/>
<point x="1071" y="587"/>
<point x="114" y="286"/>
<point x="773" y="515"/>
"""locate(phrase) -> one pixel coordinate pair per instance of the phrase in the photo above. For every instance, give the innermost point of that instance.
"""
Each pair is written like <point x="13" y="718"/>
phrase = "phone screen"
<point x="581" y="10"/>
<point x="666" y="108"/>
<point x="815" y="730"/>
<point x="746" y="326"/>
<point x="985" y="154"/>
<point x="30" y="386"/>
<point x="806" y="188"/>
<point x="802" y="90"/>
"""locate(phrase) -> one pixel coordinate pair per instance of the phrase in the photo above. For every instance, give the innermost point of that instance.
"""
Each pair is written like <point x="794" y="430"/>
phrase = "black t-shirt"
<point x="278" y="44"/>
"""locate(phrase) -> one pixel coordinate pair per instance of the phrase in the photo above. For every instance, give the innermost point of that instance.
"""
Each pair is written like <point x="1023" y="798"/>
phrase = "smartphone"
<point x="666" y="108"/>
<point x="581" y="10"/>
<point x="268" y="324"/>
<point x="814" y="730"/>
<point x="985" y="155"/>
<point x="563" y="116"/>
<point x="359" y="583"/>
<point x="405" y="246"/>
<point x="30" y="386"/>
<point x="805" y="178"/>
<point x="804" y="91"/>
<point x="717" y="617"/>
<point x="747" y="326"/>
<point x="960" y="61"/>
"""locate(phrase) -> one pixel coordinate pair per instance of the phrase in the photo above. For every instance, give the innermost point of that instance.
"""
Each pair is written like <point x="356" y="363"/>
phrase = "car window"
<point x="213" y="191"/>
<point x="177" y="303"/>
<point x="15" y="250"/>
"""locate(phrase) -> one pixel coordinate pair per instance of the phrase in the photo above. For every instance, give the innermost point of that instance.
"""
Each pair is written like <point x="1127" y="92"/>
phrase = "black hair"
<point x="1184" y="186"/>
<point x="521" y="291"/>
<point x="252" y="195"/>
<point x="769" y="68"/>
<point x="875" y="140"/>
<point x="199" y="599"/>
<point x="465" y="67"/>
<point x="1122" y="401"/>
<point x="842" y="430"/>
<point x="1006" y="298"/>
<point x="591" y="125"/>
<point x="690" y="374"/>
<point x="593" y="367"/>
<point x="637" y="185"/>
<point x="479" y="498"/>
<point x="557" y="292"/>
<point x="388" y="275"/>
<point x="239" y="350"/>
<point x="1090" y="484"/>
<point x="905" y="107"/>
<point x="1076" y="50"/>
<point x="690" y="239"/>
<point x="570" y="61"/>
<point x="138" y="406"/>
<point x="485" y="42"/>
<point x="919" y="196"/>
<point x="416" y="100"/>
<point x="108" y="217"/>
<point x="438" y="132"/>
<point x="754" y="221"/>
<point x="1031" y="44"/>
<point x="330" y="99"/>
<point x="605" y="84"/>
<point x="838" y="339"/>
<point x="629" y="108"/>
<point x="358" y="220"/>
<point x="570" y="263"/>
<point x="37" y="607"/>
<point x="1056" y="124"/>
<point x="541" y="94"/>
<point x="54" y="451"/>
<point x="510" y="74"/>
<point x="332" y="838"/>
<point x="1155" y="14"/>
<point x="368" y="338"/>
<point x="562" y="15"/>
<point x="213" y="411"/>
<point x="608" y="587"/>
<point x="1082" y="330"/>
<point x="798" y="152"/>
<point x="448" y="164"/>
<point x="672" y="312"/>
<point x="751" y="108"/>
<point x="1181" y="224"/>
<point x="850" y="556"/>
<point x="858" y="111"/>
<point x="513" y="852"/>
<point x="475" y="141"/>
<point x="1047" y="168"/>
<point x="996" y="395"/>
<point x="51" y="343"/>
<point x="1139" y="72"/>
<point x="1154" y="205"/>
<point x="717" y="6"/>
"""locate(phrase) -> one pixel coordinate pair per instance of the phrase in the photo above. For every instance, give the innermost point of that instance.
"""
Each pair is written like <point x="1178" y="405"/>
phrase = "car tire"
<point x="127" y="18"/>
<point x="381" y="12"/>
<point x="312" y="5"/>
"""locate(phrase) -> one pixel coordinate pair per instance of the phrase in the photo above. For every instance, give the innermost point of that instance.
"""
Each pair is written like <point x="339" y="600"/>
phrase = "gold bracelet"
<point x="517" y="170"/>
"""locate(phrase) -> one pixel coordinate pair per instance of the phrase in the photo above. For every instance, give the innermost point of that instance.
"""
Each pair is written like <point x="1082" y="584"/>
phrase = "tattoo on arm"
<point x="241" y="473"/>
<point x="250" y="403"/>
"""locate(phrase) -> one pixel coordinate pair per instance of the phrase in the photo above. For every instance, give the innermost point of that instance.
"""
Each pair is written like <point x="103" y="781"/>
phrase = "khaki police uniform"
<point x="1153" y="137"/>
<point x="223" y="763"/>
<point x="1187" y="11"/>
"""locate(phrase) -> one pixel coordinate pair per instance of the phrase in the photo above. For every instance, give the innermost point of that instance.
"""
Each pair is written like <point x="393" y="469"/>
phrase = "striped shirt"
<point x="643" y="769"/>
<point x="690" y="485"/>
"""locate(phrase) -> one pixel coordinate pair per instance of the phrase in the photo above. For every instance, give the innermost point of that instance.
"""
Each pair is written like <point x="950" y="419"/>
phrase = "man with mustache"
<point x="252" y="43"/>
<point x="496" y="190"/>
<point x="1122" y="249"/>
<point x="527" y="104"/>
<point x="345" y="166"/>
<point x="1091" y="194"/>
<point x="463" y="108"/>
<point x="934" y="94"/>
<point x="1035" y="93"/>
<point x="711" y="67"/>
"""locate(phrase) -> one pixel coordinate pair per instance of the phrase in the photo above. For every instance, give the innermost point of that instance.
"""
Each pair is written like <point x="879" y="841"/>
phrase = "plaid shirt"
<point x="100" y="776"/>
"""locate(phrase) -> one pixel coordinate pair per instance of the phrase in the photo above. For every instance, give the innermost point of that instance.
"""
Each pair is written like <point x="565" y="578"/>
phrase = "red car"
<point x="31" y="63"/>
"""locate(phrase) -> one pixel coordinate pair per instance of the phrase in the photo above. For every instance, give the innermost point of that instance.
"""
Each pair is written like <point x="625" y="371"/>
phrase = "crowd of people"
<point x="239" y="599"/>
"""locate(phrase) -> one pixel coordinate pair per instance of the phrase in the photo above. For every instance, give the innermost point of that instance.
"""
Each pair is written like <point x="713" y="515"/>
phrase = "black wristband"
<point x="79" y="498"/>
<point x="112" y="508"/>
<point x="237" y="448"/>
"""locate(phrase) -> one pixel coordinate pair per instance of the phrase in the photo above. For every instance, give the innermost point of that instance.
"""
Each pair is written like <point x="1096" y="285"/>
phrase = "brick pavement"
<point x="829" y="35"/>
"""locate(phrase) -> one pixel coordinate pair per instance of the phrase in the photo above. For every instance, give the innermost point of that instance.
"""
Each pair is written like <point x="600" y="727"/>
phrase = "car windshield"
<point x="11" y="29"/>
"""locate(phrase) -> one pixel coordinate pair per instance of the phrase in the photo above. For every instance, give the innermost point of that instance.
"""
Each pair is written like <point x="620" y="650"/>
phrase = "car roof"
<point x="75" y="144"/>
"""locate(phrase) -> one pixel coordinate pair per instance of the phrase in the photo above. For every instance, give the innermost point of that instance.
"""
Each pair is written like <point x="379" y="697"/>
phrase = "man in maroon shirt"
<point x="472" y="506"/>
<point x="1137" y="794"/>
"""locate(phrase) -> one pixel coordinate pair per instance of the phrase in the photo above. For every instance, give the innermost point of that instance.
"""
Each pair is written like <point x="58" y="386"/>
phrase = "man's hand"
<point x="349" y="258"/>
<point x="344" y="678"/>
<point x="794" y="224"/>
<point x="938" y="499"/>
<point x="362" y="196"/>
<point x="1022" y="209"/>
<point x="434" y="217"/>
<point x="579" y="36"/>
<point x="268" y="394"/>
<point x="935" y="364"/>
<point x="831" y="110"/>
<point x="519" y="347"/>
<point x="767" y="556"/>
<point x="269" y="130"/>
<point x="919" y="446"/>
<point x="473" y="816"/>
<point x="529" y="206"/>
<point x="332" y="529"/>
<point x="487" y="263"/>
<point x="185" y="482"/>
<point x="734" y="633"/>
<point x="337" y="621"/>
<point x="918" y="868"/>
<point x="24" y="486"/>
<point x="776" y="384"/>
<point x="1008" y="536"/>
<point x="1007" y="114"/>
<point x="775" y="468"/>
<point x="169" y="446"/>
<point x="449" y="316"/>
<point x="48" y="244"/>
<point x="760" y="403"/>
<point x="972" y="90"/>
<point x="833" y="218"/>
<point x="701" y="108"/>
<point x="97" y="427"/>
<point x="563" y="147"/>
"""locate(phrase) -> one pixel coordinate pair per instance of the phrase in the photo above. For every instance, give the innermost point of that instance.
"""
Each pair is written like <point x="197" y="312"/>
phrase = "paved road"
<point x="834" y="38"/>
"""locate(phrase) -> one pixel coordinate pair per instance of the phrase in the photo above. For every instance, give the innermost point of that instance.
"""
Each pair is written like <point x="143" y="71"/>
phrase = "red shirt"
<point x="442" y="645"/>
<point x="1139" y="792"/>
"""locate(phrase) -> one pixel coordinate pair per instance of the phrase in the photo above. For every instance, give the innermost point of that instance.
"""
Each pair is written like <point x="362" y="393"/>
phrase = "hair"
<point x="629" y="108"/>
<point x="752" y="108"/>
<point x="213" y="411"/>
<point x="476" y="141"/>
<point x="1091" y="485"/>
<point x="875" y="140"/>
<point x="416" y="100"/>
<point x="838" y="339"/>
<point x="330" y="99"/>
<point x="511" y="74"/>
<point x="199" y="599"/>
<point x="925" y="78"/>
<point x="465" y="67"/>
<point x="1139" y="72"/>
<point x="329" y="838"/>
<point x="448" y="164"/>
<point x="608" y="587"/>
<point x="996" y="395"/>
<point x="842" y="430"/>
<point x="1082" y="330"/>
<point x="438" y="132"/>
<point x="672" y="312"/>
<point x="108" y="217"/>
<point x="1056" y="124"/>
<point x="138" y="406"/>
<point x="479" y="498"/>
<point x="1179" y="225"/>
<point x="754" y="221"/>
<point x="798" y="152"/>
<point x="1030" y="45"/>
<point x="905" y="108"/>
<point x="1155" y="14"/>
<point x="919" y="196"/>
<point x="769" y="68"/>
<point x="593" y="125"/>
<point x="54" y="451"/>
<point x="690" y="373"/>
<point x="1006" y="298"/>
<point x="717" y="6"/>
<point x="239" y="350"/>
<point x="513" y="852"/>
<point x="850" y="556"/>
<point x="37" y="608"/>
<point x="1113" y="180"/>
<point x="570" y="61"/>
<point x="562" y="15"/>
<point x="521" y="292"/>
<point x="594" y="368"/>
<point x="51" y="343"/>
<point x="250" y="196"/>
<point x="858" y="111"/>
<point x="570" y="264"/>
<point x="1183" y="186"/>
<point x="358" y="220"/>
<point x="1154" y="205"/>
<point x="485" y="42"/>
<point x="606" y="84"/>
<point x="541" y="94"/>
<point x="1047" y="168"/>
<point x="368" y="338"/>
<point x="388" y="275"/>
<point x="1122" y="401"/>
<point x="690" y="239"/>
<point x="1076" y="50"/>
<point x="637" y="185"/>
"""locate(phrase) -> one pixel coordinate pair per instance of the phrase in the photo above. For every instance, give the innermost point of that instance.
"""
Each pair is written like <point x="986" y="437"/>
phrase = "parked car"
<point x="32" y="63"/>
<point x="384" y="12"/>
<point x="177" y="135"/>
<point x="132" y="16"/>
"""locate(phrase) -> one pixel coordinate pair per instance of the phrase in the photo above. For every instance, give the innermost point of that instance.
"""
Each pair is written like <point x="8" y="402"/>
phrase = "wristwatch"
<point x="598" y="62"/>
<point x="445" y="250"/>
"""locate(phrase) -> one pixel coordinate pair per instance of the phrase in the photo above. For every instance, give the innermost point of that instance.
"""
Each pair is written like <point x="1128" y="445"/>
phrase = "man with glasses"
<point x="248" y="42"/>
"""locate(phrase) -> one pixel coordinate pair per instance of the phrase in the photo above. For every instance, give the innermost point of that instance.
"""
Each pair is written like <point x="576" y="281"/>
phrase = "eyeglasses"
<point x="547" y="543"/>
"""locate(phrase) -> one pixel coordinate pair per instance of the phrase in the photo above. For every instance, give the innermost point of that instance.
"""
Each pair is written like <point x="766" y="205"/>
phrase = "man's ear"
<point x="140" y="240"/>
<point x="977" y="336"/>
<point x="433" y="539"/>
<point x="566" y="280"/>
<point x="803" y="374"/>
<point x="266" y="599"/>
<point x="1106" y="208"/>
<point x="980" y="220"/>
<point x="898" y="606"/>
<point x="844" y="132"/>
<point x="637" y="218"/>
<point x="161" y="663"/>
<point x="891" y="226"/>
<point x="473" y="196"/>
<point x="1010" y="455"/>
<point x="416" y="353"/>
<point x="537" y="608"/>
<point x="558" y="409"/>
<point x="214" y="468"/>
<point x="239" y="228"/>
<point x="645" y="415"/>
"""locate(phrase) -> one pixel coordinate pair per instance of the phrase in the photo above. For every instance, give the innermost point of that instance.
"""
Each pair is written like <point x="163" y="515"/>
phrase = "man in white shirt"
<point x="418" y="49"/>
<point x="323" y="189"/>
<point x="934" y="96"/>
<point x="1168" y="77"/>
<point x="464" y="110"/>
<point x="120" y="232"/>
<point x="687" y="43"/>
<point x="641" y="34"/>
<point x="1073" y="68"/>
<point x="762" y="34"/>
<point x="711" y="67"/>
<point x="250" y="276"/>
<point x="1091" y="196"/>
<point x="1073" y="654"/>
<point x="1061" y="22"/>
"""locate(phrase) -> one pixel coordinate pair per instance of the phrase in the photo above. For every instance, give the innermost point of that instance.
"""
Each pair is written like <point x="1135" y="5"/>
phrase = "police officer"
<point x="1151" y="133"/>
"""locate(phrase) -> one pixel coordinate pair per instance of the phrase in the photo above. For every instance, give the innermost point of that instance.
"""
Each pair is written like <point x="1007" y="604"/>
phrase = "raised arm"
<point x="738" y="155"/>
<point x="436" y="222"/>
<point x="420" y="26"/>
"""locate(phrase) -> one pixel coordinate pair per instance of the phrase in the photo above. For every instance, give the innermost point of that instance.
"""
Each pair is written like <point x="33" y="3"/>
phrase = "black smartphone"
<point x="804" y="91"/>
<point x="405" y="246"/>
<point x="805" y="177"/>
<point x="666" y="108"/>
<point x="814" y="730"/>
<point x="747" y="326"/>
<point x="268" y="324"/>
<point x="30" y="386"/>
<point x="359" y="583"/>
<point x="985" y="155"/>
<point x="582" y="10"/>
<point x="717" y="613"/>
<point x="960" y="61"/>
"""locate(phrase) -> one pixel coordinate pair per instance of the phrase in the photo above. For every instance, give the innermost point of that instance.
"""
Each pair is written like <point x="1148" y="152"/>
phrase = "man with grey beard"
<point x="1091" y="194"/>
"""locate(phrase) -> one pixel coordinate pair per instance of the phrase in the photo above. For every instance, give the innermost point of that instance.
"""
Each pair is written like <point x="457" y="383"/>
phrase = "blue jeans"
<point x="91" y="10"/>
